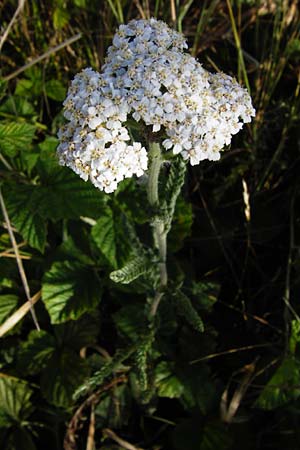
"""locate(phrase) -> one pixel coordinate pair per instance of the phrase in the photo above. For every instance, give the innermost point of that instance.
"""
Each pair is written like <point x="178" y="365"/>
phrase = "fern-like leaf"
<point x="141" y="357"/>
<point x="185" y="309"/>
<point x="173" y="187"/>
<point x="131" y="271"/>
<point x="106" y="370"/>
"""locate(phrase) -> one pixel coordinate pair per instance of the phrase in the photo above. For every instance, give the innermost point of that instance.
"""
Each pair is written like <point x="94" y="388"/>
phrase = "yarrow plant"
<point x="148" y="78"/>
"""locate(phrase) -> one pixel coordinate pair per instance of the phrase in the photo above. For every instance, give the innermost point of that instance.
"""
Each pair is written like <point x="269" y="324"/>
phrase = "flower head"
<point x="148" y="75"/>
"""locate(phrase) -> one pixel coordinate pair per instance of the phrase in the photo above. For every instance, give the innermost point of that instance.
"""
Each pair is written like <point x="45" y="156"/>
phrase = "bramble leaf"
<point x="23" y="213"/>
<point x="104" y="235"/>
<point x="113" y="236"/>
<point x="167" y="382"/>
<point x="69" y="290"/>
<point x="15" y="404"/>
<point x="283" y="386"/>
<point x="65" y="372"/>
<point x="8" y="304"/>
<point x="35" y="353"/>
<point x="55" y="90"/>
<point x="15" y="136"/>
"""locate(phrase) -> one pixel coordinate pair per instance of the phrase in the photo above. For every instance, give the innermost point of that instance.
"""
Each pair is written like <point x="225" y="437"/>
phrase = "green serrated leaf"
<point x="69" y="290"/>
<point x="142" y="357"/>
<point x="15" y="137"/>
<point x="18" y="438"/>
<point x="76" y="334"/>
<point x="130" y="321"/>
<point x="32" y="86"/>
<point x="29" y="160"/>
<point x="55" y="90"/>
<point x="168" y="384"/>
<point x="8" y="304"/>
<point x="131" y="271"/>
<point x="23" y="213"/>
<point x="190" y="434"/>
<point x="35" y="353"/>
<point x="65" y="372"/>
<point x="19" y="106"/>
<point x="115" y="237"/>
<point x="104" y="234"/>
<point x="63" y="195"/>
<point x="283" y="386"/>
<point x="15" y="405"/>
<point x="106" y="370"/>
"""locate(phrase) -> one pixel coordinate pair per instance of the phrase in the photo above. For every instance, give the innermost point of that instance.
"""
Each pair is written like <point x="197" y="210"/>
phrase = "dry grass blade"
<point x="90" y="444"/>
<point x="43" y="56"/>
<point x="11" y="23"/>
<point x="18" y="315"/>
<point x="9" y="253"/>
<point x="228" y="411"/>
<point x="230" y="351"/>
<point x="19" y="260"/>
<point x="124" y="444"/>
<point x="173" y="11"/>
<point x="140" y="9"/>
<point x="76" y="421"/>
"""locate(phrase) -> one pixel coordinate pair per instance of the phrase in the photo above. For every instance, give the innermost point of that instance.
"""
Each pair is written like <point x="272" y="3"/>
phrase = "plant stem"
<point x="155" y="163"/>
<point x="159" y="229"/>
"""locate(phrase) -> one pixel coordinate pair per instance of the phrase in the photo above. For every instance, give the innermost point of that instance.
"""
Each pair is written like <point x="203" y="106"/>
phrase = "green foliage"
<point x="157" y="381"/>
<point x="130" y="322"/>
<point x="185" y="309"/>
<point x="174" y="183"/>
<point x="8" y="304"/>
<point x="65" y="372"/>
<point x="105" y="236"/>
<point x="15" y="137"/>
<point x="182" y="222"/>
<point x="55" y="358"/>
<point x="69" y="290"/>
<point x="15" y="404"/>
<point x="168" y="384"/>
<point x="131" y="271"/>
<point x="283" y="387"/>
<point x="191" y="434"/>
<point x="206" y="294"/>
<point x="55" y="90"/>
<point x="142" y="358"/>
<point x="17" y="439"/>
<point x="35" y="353"/>
<point x="108" y="369"/>
<point x="22" y="203"/>
<point x="111" y="235"/>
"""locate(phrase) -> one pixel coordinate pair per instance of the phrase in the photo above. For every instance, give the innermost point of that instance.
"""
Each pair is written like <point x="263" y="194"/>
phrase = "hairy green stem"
<point x="155" y="163"/>
<point x="159" y="231"/>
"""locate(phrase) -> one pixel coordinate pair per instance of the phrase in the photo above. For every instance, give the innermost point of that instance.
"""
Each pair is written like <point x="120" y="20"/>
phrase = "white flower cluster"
<point x="94" y="141"/>
<point x="147" y="75"/>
